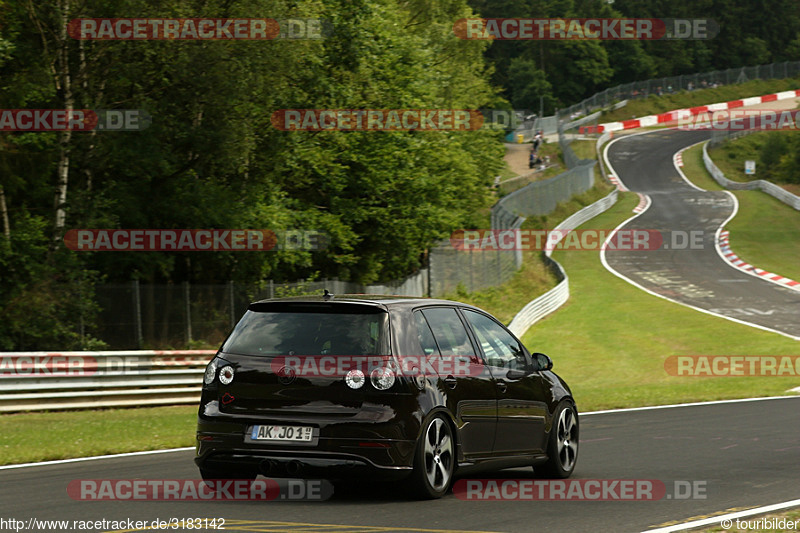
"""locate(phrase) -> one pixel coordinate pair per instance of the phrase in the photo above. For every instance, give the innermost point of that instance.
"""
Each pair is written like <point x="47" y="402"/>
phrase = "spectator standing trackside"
<point x="537" y="140"/>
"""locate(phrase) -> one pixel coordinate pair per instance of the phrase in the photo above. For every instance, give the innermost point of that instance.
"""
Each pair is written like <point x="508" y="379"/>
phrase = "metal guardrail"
<point x="38" y="381"/>
<point x="766" y="186"/>
<point x="557" y="296"/>
<point x="603" y="139"/>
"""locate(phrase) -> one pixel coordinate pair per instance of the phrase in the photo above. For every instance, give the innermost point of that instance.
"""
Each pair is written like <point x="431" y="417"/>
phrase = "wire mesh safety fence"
<point x="164" y="316"/>
<point x="144" y="315"/>
<point x="673" y="84"/>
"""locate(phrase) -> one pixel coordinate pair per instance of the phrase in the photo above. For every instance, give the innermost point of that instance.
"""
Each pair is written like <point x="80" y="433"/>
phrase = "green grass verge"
<point x="534" y="278"/>
<point x="653" y="105"/>
<point x="28" y="437"/>
<point x="764" y="232"/>
<point x="585" y="149"/>
<point x="611" y="339"/>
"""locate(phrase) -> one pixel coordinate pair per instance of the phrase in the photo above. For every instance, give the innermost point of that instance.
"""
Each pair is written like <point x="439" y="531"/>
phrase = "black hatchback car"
<point x="380" y="386"/>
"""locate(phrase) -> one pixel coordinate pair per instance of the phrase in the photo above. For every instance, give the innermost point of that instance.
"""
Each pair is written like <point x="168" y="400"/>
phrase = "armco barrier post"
<point x="188" y="311"/>
<point x="137" y="314"/>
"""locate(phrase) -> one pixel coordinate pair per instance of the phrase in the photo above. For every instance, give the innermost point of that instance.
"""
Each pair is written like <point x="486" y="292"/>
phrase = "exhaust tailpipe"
<point x="294" y="467"/>
<point x="268" y="466"/>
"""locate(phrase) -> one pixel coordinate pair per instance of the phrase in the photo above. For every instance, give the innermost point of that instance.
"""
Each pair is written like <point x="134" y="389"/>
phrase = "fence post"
<point x="188" y="312"/>
<point x="471" y="269"/>
<point x="231" y="302"/>
<point x="499" y="267"/>
<point x="271" y="289"/>
<point x="137" y="313"/>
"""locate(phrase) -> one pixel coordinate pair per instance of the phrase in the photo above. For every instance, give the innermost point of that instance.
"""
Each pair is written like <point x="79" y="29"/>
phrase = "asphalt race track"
<point x="735" y="455"/>
<point x="740" y="455"/>
<point x="690" y="272"/>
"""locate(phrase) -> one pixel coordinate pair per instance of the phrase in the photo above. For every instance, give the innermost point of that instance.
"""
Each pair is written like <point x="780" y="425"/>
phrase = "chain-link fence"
<point x="471" y="270"/>
<point x="688" y="82"/>
<point x="149" y="315"/>
<point x="720" y="136"/>
<point x="478" y="269"/>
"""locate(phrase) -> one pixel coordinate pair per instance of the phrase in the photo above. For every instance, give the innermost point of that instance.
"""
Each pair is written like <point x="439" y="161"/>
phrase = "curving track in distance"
<point x="690" y="272"/>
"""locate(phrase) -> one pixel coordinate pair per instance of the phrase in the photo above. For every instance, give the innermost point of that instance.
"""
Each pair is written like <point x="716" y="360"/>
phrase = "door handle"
<point x="451" y="382"/>
<point x="502" y="386"/>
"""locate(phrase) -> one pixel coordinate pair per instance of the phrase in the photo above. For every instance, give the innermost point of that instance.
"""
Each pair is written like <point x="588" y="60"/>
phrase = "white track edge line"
<point x="691" y="404"/>
<point x="730" y="516"/>
<point x="95" y="457"/>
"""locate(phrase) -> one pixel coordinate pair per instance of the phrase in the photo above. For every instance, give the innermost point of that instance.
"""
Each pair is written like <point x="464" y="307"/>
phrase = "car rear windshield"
<point x="311" y="330"/>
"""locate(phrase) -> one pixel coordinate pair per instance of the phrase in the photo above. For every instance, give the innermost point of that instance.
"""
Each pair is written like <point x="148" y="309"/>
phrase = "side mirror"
<point x="543" y="362"/>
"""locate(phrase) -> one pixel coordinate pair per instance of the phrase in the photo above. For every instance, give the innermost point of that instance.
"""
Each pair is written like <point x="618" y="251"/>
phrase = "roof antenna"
<point x="327" y="295"/>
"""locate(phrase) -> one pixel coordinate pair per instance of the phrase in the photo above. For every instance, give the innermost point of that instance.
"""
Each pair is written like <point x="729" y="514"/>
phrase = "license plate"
<point x="282" y="433"/>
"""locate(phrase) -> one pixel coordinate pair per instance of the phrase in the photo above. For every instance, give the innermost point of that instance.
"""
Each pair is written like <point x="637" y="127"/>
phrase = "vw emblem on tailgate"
<point x="286" y="375"/>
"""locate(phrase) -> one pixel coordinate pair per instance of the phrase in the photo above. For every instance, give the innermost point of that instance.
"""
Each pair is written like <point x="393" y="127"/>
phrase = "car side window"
<point x="425" y="335"/>
<point x="449" y="332"/>
<point x="500" y="348"/>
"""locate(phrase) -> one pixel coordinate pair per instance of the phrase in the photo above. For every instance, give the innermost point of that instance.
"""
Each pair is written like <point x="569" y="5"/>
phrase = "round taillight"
<point x="226" y="375"/>
<point x="382" y="378"/>
<point x="354" y="379"/>
<point x="211" y="372"/>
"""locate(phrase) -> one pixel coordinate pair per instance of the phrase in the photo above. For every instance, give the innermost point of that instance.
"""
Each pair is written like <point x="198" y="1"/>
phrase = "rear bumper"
<point x="339" y="448"/>
<point x="278" y="464"/>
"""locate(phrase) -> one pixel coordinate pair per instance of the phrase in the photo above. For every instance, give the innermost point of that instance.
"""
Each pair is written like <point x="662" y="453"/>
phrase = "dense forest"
<point x="211" y="158"/>
<point x="751" y="32"/>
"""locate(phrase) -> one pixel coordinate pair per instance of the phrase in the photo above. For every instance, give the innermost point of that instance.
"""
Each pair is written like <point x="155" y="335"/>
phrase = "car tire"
<point x="434" y="460"/>
<point x="562" y="444"/>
